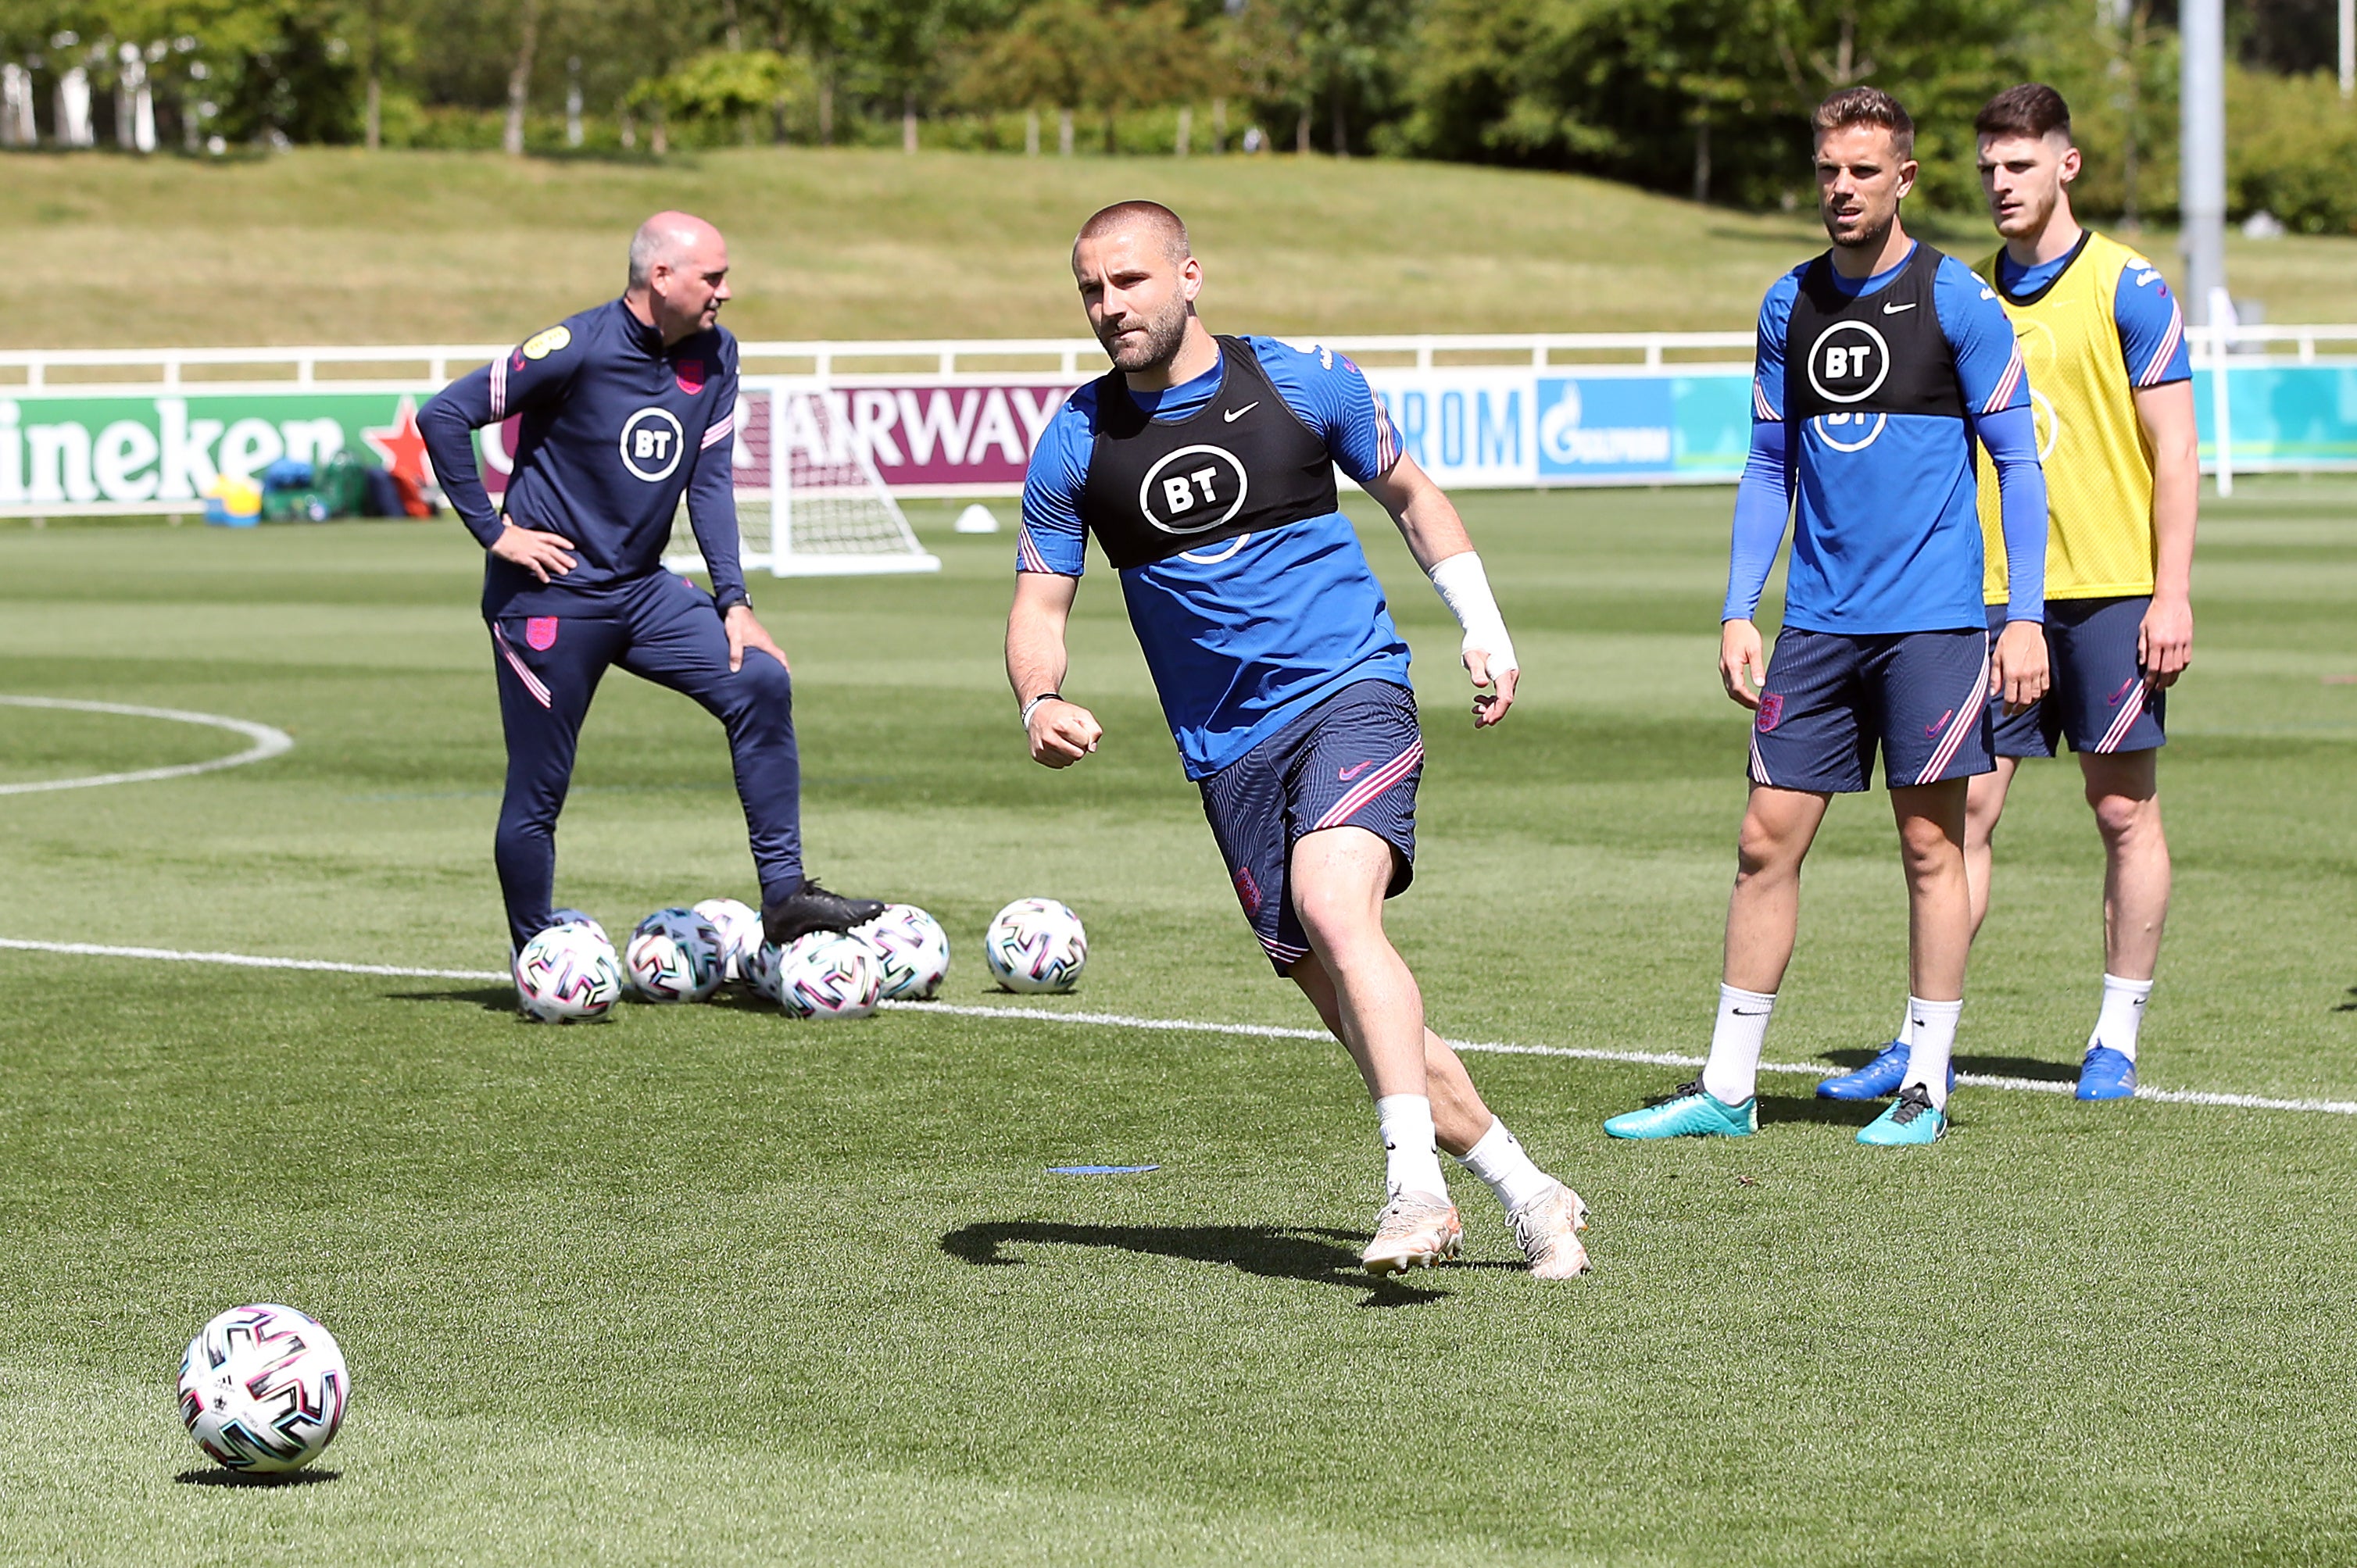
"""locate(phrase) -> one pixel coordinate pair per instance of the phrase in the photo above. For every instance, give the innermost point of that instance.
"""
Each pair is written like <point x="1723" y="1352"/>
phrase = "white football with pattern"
<point x="829" y="975"/>
<point x="262" y="1389"/>
<point x="913" y="949"/>
<point x="567" y="974"/>
<point x="740" y="931"/>
<point x="676" y="955"/>
<point x="1036" y="945"/>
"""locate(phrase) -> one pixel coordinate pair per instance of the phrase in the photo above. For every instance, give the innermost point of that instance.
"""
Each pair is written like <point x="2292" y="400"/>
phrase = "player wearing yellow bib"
<point x="2112" y="394"/>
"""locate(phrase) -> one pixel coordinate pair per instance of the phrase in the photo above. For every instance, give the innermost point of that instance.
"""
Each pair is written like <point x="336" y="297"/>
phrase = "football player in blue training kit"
<point x="2102" y="337"/>
<point x="1205" y="468"/>
<point x="1891" y="358"/>
<point x="625" y="408"/>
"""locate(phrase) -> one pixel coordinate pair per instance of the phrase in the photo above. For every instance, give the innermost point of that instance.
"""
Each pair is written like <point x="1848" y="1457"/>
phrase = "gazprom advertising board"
<point x="88" y="449"/>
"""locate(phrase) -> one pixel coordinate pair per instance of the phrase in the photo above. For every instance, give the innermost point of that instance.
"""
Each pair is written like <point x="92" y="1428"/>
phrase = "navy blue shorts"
<point x="2098" y="700"/>
<point x="1351" y="761"/>
<point x="1831" y="699"/>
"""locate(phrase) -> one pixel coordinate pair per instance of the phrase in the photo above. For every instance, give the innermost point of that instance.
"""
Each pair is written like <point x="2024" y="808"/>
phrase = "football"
<point x="912" y="948"/>
<point x="759" y="968"/>
<point x="567" y="974"/>
<point x="262" y="1389"/>
<point x="1036" y="944"/>
<point x="676" y="955"/>
<point x="575" y="918"/>
<point x="828" y="974"/>
<point x="740" y="932"/>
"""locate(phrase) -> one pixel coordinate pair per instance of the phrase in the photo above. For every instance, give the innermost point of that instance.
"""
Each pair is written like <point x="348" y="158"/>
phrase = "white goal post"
<point x="825" y="511"/>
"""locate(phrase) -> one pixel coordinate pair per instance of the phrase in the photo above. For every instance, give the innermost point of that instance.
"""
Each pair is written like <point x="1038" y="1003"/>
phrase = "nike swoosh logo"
<point x="1754" y="1012"/>
<point x="1889" y="309"/>
<point x="1232" y="415"/>
<point x="1347" y="774"/>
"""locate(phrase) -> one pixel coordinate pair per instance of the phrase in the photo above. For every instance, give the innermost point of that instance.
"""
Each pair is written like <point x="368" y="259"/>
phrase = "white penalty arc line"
<point x="268" y="742"/>
<point x="1195" y="1027"/>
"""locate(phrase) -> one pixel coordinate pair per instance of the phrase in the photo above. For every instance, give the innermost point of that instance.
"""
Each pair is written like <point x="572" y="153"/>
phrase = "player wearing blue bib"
<point x="1204" y="468"/>
<point x="1890" y="358"/>
<point x="2106" y="343"/>
<point x="625" y="408"/>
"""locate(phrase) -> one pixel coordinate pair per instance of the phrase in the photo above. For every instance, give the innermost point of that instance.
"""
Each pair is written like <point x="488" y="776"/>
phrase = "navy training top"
<point x="615" y="429"/>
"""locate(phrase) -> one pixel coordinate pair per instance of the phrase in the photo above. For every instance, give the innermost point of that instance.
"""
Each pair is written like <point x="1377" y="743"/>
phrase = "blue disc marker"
<point x="1101" y="1170"/>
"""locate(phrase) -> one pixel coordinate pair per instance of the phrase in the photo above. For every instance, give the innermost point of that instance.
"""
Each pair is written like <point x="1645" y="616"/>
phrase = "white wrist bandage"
<point x="1464" y="588"/>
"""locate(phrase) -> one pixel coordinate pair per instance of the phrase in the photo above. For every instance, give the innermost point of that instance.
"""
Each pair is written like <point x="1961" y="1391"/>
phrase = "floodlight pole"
<point x="2201" y="121"/>
<point x="2349" y="48"/>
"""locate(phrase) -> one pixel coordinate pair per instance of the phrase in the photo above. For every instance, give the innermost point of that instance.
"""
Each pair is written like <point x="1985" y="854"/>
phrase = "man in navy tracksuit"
<point x="625" y="407"/>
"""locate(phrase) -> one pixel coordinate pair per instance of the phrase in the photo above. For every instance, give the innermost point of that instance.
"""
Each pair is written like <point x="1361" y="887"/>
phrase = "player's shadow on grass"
<point x="2038" y="1067"/>
<point x="247" y="1478"/>
<point x="1320" y="1256"/>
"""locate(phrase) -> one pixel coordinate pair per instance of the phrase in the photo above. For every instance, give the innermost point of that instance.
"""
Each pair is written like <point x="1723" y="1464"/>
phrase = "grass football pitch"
<point x="704" y="1285"/>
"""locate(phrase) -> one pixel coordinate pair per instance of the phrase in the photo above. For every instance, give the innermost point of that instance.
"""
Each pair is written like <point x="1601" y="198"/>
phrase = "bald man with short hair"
<point x="625" y="408"/>
<point x="1204" y="467"/>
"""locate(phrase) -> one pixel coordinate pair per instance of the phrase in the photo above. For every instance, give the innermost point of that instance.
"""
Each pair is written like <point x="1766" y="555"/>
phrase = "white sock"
<point x="2122" y="1015"/>
<point x="1732" y="1073"/>
<point x="1412" y="1160"/>
<point x="1934" y="1043"/>
<point x="1906" y="1035"/>
<point x="1499" y="1159"/>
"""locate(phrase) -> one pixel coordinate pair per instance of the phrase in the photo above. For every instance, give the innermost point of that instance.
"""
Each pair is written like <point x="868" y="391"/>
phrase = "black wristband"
<point x="728" y="601"/>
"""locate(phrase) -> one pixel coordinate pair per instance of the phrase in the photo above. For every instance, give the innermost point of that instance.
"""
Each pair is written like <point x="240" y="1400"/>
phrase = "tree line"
<point x="1706" y="98"/>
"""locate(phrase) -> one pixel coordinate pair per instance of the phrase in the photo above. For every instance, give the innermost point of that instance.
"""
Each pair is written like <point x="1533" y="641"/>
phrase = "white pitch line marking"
<point x="269" y="742"/>
<point x="251" y="961"/>
<point x="1202" y="1027"/>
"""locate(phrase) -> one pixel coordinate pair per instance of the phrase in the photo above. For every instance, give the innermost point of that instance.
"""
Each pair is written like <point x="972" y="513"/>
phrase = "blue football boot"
<point x="1911" y="1118"/>
<point x="1877" y="1079"/>
<point x="2106" y="1075"/>
<point x="1691" y="1113"/>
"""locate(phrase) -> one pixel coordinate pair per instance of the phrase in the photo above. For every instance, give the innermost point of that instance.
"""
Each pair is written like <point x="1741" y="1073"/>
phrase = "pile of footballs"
<point x="571" y="972"/>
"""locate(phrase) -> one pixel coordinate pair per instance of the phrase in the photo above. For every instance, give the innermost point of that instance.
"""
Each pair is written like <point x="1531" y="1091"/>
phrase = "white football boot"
<point x="1547" y="1230"/>
<point x="1415" y="1230"/>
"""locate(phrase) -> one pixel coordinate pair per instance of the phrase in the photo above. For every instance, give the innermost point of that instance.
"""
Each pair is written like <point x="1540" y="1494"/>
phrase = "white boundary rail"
<point x="324" y="365"/>
<point x="347" y="366"/>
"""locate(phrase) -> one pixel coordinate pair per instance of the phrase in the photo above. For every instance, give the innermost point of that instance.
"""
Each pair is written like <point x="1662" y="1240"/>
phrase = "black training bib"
<point x="1243" y="463"/>
<point x="1878" y="353"/>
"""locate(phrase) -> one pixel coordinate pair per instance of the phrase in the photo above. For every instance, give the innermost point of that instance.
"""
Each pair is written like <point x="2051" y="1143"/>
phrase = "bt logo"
<point x="652" y="443"/>
<point x="1193" y="489"/>
<point x="1849" y="362"/>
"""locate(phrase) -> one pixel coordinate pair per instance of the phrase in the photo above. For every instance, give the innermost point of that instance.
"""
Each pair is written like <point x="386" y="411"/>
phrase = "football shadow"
<point x="248" y="1479"/>
<point x="1317" y="1255"/>
<point x="489" y="998"/>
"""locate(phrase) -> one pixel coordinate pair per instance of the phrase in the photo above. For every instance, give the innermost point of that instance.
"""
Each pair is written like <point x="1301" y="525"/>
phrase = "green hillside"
<point x="341" y="246"/>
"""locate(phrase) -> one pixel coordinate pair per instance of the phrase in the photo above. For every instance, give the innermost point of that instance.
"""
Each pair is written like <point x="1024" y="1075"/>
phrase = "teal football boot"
<point x="1910" y="1120"/>
<point x="1691" y="1113"/>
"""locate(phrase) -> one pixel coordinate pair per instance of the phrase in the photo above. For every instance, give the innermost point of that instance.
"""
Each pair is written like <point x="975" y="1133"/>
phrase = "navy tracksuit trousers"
<point x="662" y="629"/>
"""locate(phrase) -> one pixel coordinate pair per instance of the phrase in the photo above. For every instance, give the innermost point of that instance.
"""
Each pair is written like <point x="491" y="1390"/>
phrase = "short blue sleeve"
<point x="1988" y="355"/>
<point x="2152" y="328"/>
<point x="1768" y="356"/>
<point x="1051" y="537"/>
<point x="1332" y="397"/>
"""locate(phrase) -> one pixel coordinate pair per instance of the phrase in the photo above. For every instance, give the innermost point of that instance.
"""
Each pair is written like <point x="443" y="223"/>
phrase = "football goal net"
<point x="825" y="511"/>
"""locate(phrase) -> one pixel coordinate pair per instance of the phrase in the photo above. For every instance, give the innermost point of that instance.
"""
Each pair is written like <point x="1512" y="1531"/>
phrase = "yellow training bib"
<point x="2099" y="540"/>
